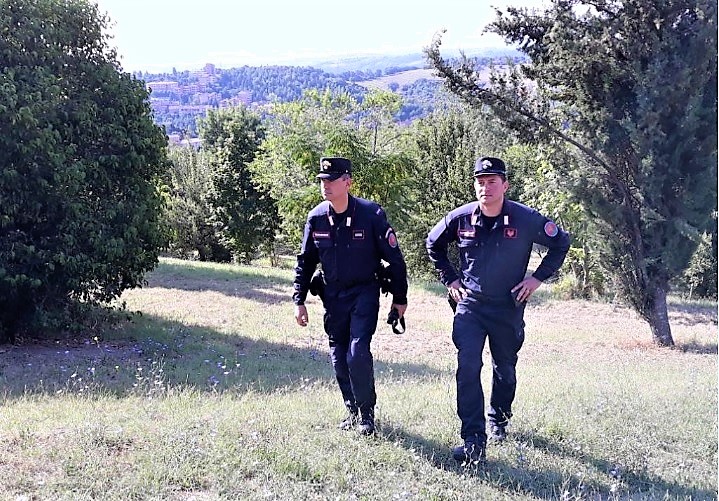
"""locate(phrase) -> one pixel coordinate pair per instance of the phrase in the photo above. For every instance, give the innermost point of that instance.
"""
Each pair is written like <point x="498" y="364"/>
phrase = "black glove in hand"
<point x="393" y="319"/>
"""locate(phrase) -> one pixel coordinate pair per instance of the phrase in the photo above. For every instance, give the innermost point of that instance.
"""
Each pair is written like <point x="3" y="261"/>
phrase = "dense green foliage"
<point x="244" y="217"/>
<point x="445" y="146"/>
<point x="259" y="85"/>
<point x="282" y="83"/>
<point x="700" y="277"/>
<point x="327" y="124"/>
<point x="633" y="87"/>
<point x="189" y="210"/>
<point x="79" y="160"/>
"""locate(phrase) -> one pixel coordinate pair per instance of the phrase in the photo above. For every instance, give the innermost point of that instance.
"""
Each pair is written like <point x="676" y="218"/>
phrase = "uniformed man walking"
<point x="495" y="238"/>
<point x="349" y="237"/>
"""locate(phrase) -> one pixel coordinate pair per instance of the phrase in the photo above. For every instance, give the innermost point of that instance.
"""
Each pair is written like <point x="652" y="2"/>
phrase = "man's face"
<point x="335" y="189"/>
<point x="490" y="189"/>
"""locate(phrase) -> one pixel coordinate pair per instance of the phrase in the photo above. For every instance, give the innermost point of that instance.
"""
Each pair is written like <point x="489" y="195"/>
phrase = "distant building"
<point x="243" y="97"/>
<point x="206" y="98"/>
<point x="160" y="105"/>
<point x="188" y="108"/>
<point x="163" y="86"/>
<point x="192" y="88"/>
<point x="193" y="142"/>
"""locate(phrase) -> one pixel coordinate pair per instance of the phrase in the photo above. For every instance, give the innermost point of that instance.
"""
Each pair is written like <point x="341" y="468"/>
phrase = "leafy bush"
<point x="79" y="157"/>
<point x="700" y="278"/>
<point x="581" y="277"/>
<point x="189" y="210"/>
<point x="243" y="215"/>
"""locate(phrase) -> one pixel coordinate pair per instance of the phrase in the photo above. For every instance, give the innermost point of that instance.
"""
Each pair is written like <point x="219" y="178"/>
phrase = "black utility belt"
<point x="339" y="286"/>
<point x="494" y="300"/>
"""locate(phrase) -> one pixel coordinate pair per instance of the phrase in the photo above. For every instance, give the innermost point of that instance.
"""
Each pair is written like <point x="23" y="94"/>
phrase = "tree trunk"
<point x="659" y="319"/>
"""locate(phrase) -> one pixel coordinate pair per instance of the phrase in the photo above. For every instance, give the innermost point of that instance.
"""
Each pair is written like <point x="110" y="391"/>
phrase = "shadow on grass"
<point x="517" y="478"/>
<point x="152" y="356"/>
<point x="685" y="313"/>
<point x="698" y="348"/>
<point x="261" y="284"/>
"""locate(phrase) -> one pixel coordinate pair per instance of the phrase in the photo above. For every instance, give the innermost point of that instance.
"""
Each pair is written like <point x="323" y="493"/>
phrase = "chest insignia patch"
<point x="510" y="233"/>
<point x="358" y="235"/>
<point x="551" y="229"/>
<point x="467" y="233"/>
<point x="320" y="234"/>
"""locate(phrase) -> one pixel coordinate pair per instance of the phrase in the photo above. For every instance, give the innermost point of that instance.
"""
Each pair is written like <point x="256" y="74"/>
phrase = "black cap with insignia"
<point x="334" y="167"/>
<point x="486" y="166"/>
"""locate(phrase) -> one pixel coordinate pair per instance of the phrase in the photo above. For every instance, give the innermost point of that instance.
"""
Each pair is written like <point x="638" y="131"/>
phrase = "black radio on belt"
<point x="317" y="284"/>
<point x="385" y="278"/>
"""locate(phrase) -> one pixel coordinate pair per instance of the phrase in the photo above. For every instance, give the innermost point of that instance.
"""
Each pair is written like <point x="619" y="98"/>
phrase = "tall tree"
<point x="329" y="124"/>
<point x="245" y="216"/>
<point x="189" y="213"/>
<point x="444" y="146"/>
<point x="632" y="86"/>
<point x="80" y="159"/>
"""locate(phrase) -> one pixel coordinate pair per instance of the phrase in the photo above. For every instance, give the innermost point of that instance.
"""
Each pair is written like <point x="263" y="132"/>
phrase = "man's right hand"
<point x="301" y="315"/>
<point x="457" y="291"/>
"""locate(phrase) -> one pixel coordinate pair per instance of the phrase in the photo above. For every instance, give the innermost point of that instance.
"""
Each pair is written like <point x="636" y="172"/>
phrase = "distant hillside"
<point x="370" y="63"/>
<point x="401" y="79"/>
<point x="179" y="98"/>
<point x="382" y="62"/>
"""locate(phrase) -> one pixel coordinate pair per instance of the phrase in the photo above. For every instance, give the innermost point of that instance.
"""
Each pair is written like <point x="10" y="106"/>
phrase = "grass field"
<point x="402" y="78"/>
<point x="215" y="393"/>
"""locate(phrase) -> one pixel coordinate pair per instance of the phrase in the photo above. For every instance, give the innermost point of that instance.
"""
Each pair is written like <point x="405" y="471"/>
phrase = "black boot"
<point x="498" y="432"/>
<point x="472" y="452"/>
<point x="350" y="421"/>
<point x="366" y="426"/>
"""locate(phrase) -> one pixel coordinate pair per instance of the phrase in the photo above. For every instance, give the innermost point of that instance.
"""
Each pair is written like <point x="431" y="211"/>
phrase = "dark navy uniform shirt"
<point x="494" y="260"/>
<point x="349" y="247"/>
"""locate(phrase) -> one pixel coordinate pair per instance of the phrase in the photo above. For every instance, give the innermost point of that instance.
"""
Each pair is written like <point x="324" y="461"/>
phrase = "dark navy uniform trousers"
<point x="350" y="321"/>
<point x="502" y="323"/>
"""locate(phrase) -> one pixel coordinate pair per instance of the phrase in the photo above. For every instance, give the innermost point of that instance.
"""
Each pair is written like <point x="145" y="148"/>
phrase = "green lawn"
<point x="215" y="393"/>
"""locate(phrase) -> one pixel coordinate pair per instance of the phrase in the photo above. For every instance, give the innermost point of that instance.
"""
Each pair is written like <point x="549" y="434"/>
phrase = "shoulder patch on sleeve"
<point x="550" y="229"/>
<point x="391" y="237"/>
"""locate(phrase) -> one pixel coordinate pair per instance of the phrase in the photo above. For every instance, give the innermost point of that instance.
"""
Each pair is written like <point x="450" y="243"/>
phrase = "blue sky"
<point x="157" y="35"/>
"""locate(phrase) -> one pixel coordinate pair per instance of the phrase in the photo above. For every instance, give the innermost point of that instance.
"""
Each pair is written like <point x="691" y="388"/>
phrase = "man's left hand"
<point x="526" y="288"/>
<point x="401" y="308"/>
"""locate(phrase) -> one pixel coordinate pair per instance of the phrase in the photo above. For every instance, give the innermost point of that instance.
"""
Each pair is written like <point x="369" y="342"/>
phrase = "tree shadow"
<point x="698" y="348"/>
<point x="262" y="285"/>
<point x="692" y="314"/>
<point x="152" y="356"/>
<point x="516" y="478"/>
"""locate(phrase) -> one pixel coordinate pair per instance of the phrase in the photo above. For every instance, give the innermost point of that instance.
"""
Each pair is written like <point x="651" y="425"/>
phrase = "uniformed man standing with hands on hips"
<point x="349" y="237"/>
<point x="495" y="238"/>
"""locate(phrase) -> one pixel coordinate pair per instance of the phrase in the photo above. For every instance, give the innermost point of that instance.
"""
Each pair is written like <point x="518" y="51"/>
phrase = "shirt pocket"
<point x="469" y="251"/>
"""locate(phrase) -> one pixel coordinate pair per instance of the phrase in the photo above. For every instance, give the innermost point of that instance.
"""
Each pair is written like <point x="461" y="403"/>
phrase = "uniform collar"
<point x="348" y="214"/>
<point x="350" y="206"/>
<point x="503" y="218"/>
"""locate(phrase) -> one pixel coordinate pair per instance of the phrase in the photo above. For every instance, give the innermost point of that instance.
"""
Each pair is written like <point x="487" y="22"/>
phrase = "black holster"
<point x="317" y="284"/>
<point x="384" y="276"/>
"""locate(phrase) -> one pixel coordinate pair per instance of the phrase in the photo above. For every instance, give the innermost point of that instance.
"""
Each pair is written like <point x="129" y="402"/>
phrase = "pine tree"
<point x="632" y="85"/>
